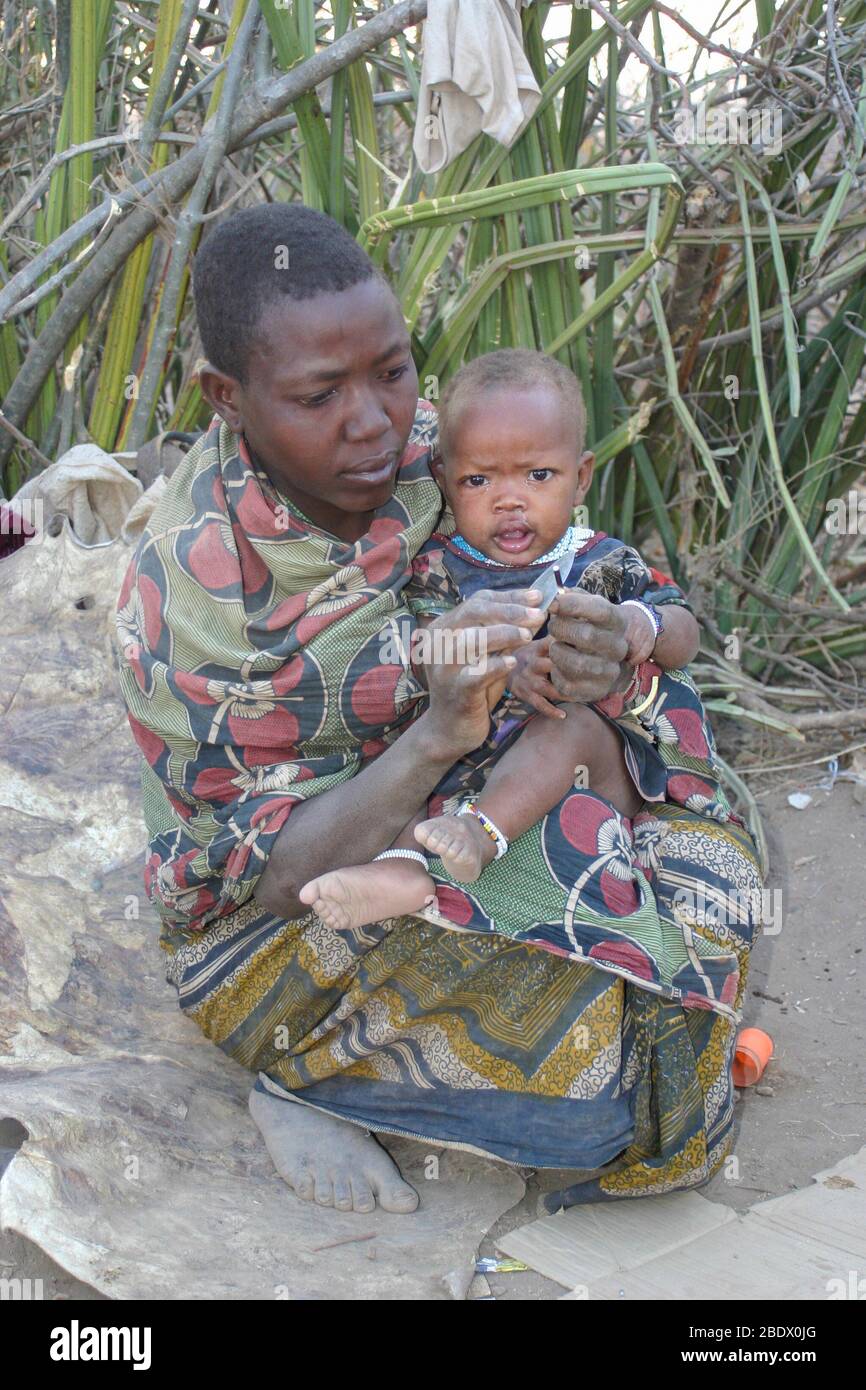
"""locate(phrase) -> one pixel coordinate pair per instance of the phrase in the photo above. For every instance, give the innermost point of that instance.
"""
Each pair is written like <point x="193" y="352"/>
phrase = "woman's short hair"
<point x="258" y="254"/>
<point x="508" y="369"/>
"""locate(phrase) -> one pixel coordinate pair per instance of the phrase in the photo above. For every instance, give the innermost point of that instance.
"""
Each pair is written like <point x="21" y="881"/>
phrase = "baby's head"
<point x="512" y="463"/>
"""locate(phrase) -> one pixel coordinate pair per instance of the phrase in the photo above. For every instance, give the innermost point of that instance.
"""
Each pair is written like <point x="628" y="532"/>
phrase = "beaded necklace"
<point x="574" y="537"/>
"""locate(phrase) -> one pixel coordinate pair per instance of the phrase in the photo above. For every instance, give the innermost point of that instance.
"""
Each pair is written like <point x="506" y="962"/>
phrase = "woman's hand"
<point x="470" y="650"/>
<point x="589" y="646"/>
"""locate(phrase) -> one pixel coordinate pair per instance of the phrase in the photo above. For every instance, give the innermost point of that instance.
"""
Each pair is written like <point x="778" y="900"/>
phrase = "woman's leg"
<point x="473" y="1038"/>
<point x="678" y="1058"/>
<point x="453" y="1037"/>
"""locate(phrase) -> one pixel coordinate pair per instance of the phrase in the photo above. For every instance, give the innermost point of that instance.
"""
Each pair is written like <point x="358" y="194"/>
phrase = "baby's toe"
<point x="430" y="834"/>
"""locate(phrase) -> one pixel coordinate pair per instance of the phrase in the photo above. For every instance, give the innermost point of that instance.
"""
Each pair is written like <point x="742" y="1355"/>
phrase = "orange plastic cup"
<point x="752" y="1052"/>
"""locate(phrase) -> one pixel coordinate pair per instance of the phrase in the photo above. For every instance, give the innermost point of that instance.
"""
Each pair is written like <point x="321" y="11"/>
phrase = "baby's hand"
<point x="530" y="679"/>
<point x="640" y="637"/>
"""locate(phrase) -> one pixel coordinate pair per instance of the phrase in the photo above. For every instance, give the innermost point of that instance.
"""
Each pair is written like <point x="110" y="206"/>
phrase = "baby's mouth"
<point x="515" y="538"/>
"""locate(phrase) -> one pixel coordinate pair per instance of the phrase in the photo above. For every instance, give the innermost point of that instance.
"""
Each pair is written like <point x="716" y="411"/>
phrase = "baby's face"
<point x="514" y="473"/>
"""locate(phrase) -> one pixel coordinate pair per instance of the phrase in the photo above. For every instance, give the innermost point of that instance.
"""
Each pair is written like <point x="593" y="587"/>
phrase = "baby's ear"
<point x="437" y="468"/>
<point x="585" y="466"/>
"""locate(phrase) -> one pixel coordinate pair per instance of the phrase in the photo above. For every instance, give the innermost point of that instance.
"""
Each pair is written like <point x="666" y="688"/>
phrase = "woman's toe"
<point x="324" y="1192"/>
<point x="362" y="1195"/>
<point x="342" y="1193"/>
<point x="304" y="1184"/>
<point x="397" y="1196"/>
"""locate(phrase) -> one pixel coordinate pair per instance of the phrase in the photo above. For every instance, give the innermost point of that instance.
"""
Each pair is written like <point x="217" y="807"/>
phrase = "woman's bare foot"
<point x="362" y="893"/>
<point x="461" y="842"/>
<point x="329" y="1161"/>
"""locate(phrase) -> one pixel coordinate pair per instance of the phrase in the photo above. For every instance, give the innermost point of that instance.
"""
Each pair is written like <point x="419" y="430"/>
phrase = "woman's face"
<point x="329" y="401"/>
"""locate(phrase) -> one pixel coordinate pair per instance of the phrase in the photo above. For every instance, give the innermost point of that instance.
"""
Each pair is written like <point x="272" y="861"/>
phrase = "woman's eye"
<point x="321" y="397"/>
<point x="539" y="475"/>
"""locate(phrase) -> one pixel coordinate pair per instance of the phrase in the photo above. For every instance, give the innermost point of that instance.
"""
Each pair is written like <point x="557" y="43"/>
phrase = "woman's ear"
<point x="585" y="466"/>
<point x="223" y="393"/>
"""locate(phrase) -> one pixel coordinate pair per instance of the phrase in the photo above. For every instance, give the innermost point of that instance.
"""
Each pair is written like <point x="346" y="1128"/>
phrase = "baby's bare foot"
<point x="362" y="893"/>
<point x="461" y="842"/>
<point x="328" y="1161"/>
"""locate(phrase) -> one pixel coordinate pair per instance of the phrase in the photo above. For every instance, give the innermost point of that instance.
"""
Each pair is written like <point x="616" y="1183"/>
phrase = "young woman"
<point x="251" y="623"/>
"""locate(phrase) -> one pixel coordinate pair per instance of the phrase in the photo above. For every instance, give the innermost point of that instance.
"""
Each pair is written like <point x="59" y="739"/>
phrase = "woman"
<point x="278" y="745"/>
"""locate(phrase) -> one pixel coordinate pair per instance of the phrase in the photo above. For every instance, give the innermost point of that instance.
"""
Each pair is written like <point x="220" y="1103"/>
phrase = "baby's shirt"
<point x="444" y="573"/>
<point x="668" y="743"/>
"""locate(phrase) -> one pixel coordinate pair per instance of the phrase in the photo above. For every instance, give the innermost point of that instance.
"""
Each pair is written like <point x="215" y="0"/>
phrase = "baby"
<point x="513" y="468"/>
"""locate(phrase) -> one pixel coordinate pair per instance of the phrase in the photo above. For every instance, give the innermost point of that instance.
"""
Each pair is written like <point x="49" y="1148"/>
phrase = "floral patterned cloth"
<point x="581" y="882"/>
<point x="250" y="663"/>
<point x="669" y="746"/>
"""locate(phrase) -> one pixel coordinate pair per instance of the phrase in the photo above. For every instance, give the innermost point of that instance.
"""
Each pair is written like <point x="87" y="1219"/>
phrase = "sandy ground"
<point x="806" y="991"/>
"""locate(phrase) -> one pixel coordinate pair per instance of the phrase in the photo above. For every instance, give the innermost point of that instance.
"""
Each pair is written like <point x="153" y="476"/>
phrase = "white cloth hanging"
<point x="87" y="485"/>
<point x="474" y="76"/>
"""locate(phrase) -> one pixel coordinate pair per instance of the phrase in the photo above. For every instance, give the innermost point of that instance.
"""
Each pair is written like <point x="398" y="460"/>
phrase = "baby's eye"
<point x="475" y="480"/>
<point x="539" y="475"/>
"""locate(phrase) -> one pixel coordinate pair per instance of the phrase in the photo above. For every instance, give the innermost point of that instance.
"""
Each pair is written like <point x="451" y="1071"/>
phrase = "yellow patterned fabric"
<point x="471" y="1040"/>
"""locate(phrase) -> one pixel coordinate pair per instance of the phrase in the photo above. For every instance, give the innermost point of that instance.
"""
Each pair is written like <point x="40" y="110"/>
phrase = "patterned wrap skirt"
<point x="474" y="1041"/>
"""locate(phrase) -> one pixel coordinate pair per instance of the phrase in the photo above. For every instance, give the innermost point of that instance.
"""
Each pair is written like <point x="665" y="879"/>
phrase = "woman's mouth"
<point x="373" y="470"/>
<point x="515" y="539"/>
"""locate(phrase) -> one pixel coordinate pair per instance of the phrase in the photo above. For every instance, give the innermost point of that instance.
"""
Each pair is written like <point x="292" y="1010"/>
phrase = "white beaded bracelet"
<point x="648" y="612"/>
<point x="470" y="809"/>
<point x="402" y="854"/>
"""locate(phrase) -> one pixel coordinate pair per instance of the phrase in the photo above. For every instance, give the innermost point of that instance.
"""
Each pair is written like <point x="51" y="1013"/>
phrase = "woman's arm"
<point x="352" y="823"/>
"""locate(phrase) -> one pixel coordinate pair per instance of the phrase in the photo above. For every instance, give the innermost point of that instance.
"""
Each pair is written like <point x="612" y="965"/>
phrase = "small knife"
<point x="551" y="580"/>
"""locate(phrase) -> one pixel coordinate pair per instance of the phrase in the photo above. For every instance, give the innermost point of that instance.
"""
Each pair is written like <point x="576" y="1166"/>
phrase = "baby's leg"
<point x="362" y="893"/>
<point x="528" y="780"/>
<point x="543" y="763"/>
